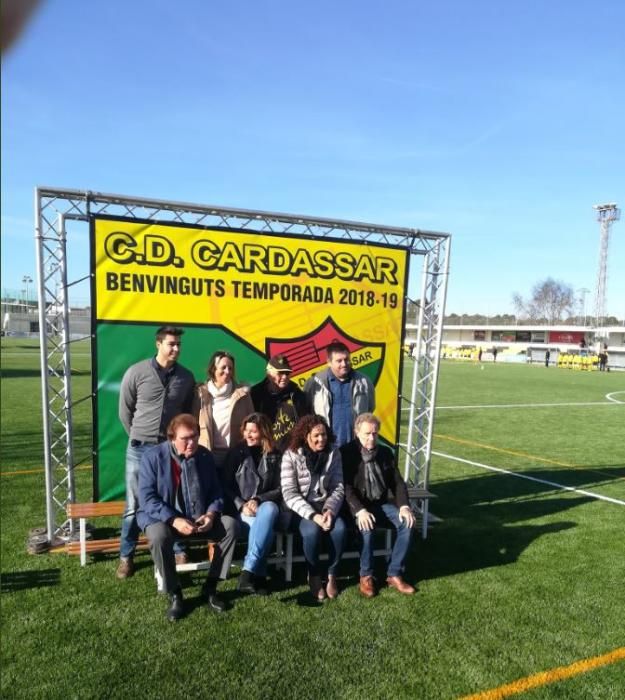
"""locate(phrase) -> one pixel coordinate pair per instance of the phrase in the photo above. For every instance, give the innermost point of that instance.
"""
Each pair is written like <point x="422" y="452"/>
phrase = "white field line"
<point x="22" y="354"/>
<point x="527" y="405"/>
<point x="609" y="396"/>
<point x="531" y="478"/>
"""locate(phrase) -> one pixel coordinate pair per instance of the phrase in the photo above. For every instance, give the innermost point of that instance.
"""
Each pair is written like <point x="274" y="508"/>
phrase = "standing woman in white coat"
<point x="220" y="405"/>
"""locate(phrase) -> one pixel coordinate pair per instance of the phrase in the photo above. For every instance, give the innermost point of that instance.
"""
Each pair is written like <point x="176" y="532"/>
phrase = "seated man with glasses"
<point x="180" y="496"/>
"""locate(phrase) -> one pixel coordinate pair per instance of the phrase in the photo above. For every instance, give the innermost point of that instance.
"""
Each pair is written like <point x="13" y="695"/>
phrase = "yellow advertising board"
<point x="272" y="292"/>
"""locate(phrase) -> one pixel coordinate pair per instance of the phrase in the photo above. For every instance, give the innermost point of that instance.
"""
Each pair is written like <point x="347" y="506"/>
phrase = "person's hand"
<point x="406" y="514"/>
<point x="365" y="520"/>
<point x="328" y="520"/>
<point x="319" y="520"/>
<point x="183" y="526"/>
<point x="205" y="522"/>
<point x="250" y="508"/>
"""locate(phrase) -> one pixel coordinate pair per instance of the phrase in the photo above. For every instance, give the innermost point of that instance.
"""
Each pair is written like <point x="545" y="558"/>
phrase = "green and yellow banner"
<point x="253" y="294"/>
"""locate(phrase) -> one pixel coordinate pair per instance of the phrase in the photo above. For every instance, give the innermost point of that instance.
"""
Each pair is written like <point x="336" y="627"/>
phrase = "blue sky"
<point x="499" y="122"/>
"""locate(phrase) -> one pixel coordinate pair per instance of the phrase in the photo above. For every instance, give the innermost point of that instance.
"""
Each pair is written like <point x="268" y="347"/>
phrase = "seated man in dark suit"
<point x="180" y="496"/>
<point x="371" y="476"/>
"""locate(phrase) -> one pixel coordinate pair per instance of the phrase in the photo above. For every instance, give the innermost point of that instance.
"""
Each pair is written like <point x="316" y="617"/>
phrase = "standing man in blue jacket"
<point x="180" y="496"/>
<point x="340" y="393"/>
<point x="152" y="392"/>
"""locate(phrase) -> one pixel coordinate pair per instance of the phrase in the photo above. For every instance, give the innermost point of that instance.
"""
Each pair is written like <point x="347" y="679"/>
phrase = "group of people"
<point x="220" y="460"/>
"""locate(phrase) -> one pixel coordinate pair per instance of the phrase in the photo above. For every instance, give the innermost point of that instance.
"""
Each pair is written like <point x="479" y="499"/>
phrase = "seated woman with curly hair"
<point x="251" y="477"/>
<point x="312" y="487"/>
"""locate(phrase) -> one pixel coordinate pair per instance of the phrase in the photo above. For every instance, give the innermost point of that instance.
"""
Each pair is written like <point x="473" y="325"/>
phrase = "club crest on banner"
<point x="307" y="354"/>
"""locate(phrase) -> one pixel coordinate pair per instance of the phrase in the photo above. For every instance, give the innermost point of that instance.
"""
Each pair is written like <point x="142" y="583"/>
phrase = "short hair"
<point x="212" y="363"/>
<point x="304" y="426"/>
<point x="366" y="418"/>
<point x="182" y="419"/>
<point x="336" y="346"/>
<point x="168" y="330"/>
<point x="261" y="421"/>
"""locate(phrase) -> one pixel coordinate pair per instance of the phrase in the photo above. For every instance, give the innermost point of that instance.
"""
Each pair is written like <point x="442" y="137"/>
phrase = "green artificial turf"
<point x="519" y="577"/>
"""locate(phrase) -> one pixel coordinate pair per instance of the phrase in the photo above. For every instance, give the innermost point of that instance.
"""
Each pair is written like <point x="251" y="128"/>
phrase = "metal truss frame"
<point x="55" y="206"/>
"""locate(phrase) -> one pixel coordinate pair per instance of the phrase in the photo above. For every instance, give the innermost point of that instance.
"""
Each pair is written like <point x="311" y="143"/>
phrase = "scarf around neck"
<point x="189" y="494"/>
<point x="222" y="392"/>
<point x="375" y="486"/>
<point x="315" y="460"/>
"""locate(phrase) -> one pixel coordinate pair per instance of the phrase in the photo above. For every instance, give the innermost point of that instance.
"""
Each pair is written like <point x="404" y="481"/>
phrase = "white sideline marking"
<point x="531" y="478"/>
<point x="530" y="405"/>
<point x="609" y="396"/>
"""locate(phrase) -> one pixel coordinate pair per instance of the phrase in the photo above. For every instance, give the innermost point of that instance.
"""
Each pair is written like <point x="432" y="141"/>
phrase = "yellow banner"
<point x="277" y="293"/>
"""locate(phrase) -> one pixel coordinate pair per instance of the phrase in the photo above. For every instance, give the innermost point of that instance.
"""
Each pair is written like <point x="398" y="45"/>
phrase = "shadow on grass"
<point x="454" y="547"/>
<point x="482" y="491"/>
<point x="481" y="514"/>
<point x="25" y="447"/>
<point x="23" y="580"/>
<point x="17" y="373"/>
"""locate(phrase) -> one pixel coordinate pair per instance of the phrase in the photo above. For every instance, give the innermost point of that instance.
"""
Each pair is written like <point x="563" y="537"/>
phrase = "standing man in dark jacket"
<point x="152" y="392"/>
<point x="280" y="399"/>
<point x="376" y="494"/>
<point x="180" y="496"/>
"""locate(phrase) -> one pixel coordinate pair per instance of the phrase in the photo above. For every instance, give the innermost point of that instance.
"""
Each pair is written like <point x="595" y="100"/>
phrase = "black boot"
<point x="176" y="606"/>
<point x="246" y="582"/>
<point x="261" y="585"/>
<point x="215" y="603"/>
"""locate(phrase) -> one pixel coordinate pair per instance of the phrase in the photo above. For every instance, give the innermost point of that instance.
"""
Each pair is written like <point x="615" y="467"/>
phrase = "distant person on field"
<point x="547" y="357"/>
<point x="180" y="496"/>
<point x="495" y="351"/>
<point x="280" y="399"/>
<point x="377" y="496"/>
<point x="603" y="359"/>
<point x="479" y="355"/>
<point x="220" y="404"/>
<point x="340" y="393"/>
<point x="152" y="392"/>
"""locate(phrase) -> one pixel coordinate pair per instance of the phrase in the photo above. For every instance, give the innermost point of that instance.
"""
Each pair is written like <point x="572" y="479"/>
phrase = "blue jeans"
<point x="260" y="529"/>
<point x="386" y="515"/>
<point x="311" y="535"/>
<point x="130" y="529"/>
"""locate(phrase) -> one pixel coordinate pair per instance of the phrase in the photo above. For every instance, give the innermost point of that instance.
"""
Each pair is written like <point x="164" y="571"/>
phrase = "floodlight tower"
<point x="607" y="214"/>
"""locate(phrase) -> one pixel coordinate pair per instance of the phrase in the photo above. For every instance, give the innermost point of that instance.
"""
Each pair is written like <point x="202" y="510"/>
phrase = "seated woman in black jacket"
<point x="370" y="475"/>
<point x="251" y="477"/>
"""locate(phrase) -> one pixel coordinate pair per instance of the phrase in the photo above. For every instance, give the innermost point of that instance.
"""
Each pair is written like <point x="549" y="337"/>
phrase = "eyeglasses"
<point x="187" y="438"/>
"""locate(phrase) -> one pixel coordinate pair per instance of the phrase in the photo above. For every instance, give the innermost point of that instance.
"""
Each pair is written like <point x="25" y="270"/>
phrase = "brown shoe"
<point x="367" y="586"/>
<point x="399" y="584"/>
<point x="332" y="590"/>
<point x="126" y="568"/>
<point x="316" y="587"/>
<point x="182" y="558"/>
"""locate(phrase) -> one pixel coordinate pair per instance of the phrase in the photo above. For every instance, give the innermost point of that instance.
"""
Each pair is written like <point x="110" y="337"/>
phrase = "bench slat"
<point x="414" y="492"/>
<point x="108" y="545"/>
<point x="95" y="510"/>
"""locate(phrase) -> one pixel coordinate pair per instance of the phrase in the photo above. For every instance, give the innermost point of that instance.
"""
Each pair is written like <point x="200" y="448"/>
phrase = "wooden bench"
<point x="283" y="557"/>
<point x="84" y="511"/>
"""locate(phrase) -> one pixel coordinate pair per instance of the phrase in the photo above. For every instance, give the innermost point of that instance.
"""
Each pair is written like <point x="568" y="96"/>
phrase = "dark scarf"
<point x="189" y="494"/>
<point x="375" y="486"/>
<point x="315" y="460"/>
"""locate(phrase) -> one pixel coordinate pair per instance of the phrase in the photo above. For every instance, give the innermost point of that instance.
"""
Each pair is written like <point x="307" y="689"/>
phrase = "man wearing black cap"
<point x="280" y="399"/>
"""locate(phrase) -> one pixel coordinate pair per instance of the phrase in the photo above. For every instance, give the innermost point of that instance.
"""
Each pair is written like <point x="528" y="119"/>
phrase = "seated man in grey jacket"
<point x="180" y="496"/>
